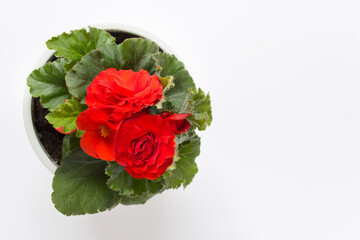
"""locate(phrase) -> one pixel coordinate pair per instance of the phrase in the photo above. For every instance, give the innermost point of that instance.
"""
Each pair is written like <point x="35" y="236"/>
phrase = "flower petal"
<point x="105" y="149"/>
<point x="126" y="90"/>
<point x="88" y="142"/>
<point x="145" y="145"/>
<point x="177" y="122"/>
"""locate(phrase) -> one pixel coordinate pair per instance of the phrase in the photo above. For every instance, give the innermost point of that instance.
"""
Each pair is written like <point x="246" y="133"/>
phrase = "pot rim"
<point x="28" y="123"/>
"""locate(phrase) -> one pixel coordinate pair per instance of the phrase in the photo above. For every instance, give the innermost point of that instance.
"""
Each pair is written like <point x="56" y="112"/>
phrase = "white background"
<point x="282" y="157"/>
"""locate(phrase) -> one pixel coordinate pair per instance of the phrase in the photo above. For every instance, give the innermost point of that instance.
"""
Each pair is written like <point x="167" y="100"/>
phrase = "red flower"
<point x="177" y="122"/>
<point x="100" y="129"/>
<point x="145" y="145"/>
<point x="124" y="90"/>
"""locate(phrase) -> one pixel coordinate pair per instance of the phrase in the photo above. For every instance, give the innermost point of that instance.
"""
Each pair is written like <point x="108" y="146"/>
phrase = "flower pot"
<point x="32" y="112"/>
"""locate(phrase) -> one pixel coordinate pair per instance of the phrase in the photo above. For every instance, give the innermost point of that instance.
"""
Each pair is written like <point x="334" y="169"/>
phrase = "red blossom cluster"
<point x="118" y="126"/>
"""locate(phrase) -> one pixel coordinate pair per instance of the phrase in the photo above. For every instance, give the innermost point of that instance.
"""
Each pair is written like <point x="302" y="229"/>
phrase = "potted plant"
<point x="115" y="117"/>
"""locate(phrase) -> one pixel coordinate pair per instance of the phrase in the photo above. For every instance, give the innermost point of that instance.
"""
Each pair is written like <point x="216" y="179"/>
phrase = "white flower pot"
<point x="28" y="122"/>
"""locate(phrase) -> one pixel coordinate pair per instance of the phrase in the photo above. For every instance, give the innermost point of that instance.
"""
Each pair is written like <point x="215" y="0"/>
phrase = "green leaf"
<point x="199" y="106"/>
<point x="125" y="200"/>
<point x="66" y="115"/>
<point x="187" y="136"/>
<point x="186" y="167"/>
<point x="120" y="180"/>
<point x="48" y="83"/>
<point x="79" y="133"/>
<point x="153" y="110"/>
<point x="169" y="65"/>
<point x="137" y="53"/>
<point x="134" y="53"/>
<point x="70" y="143"/>
<point x="78" y="43"/>
<point x="168" y="106"/>
<point x="167" y="83"/>
<point x="69" y="66"/>
<point x="83" y="73"/>
<point x="80" y="185"/>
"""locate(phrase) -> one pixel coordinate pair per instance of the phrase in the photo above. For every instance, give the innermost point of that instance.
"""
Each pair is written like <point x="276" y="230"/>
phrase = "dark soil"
<point x="121" y="36"/>
<point x="51" y="139"/>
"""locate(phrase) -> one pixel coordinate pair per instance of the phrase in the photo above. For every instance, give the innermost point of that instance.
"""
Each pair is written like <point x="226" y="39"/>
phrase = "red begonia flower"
<point x="124" y="90"/>
<point x="100" y="129"/>
<point x="177" y="122"/>
<point x="145" y="145"/>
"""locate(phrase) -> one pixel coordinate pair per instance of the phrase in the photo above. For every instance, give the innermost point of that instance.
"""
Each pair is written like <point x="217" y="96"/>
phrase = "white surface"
<point x="282" y="157"/>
